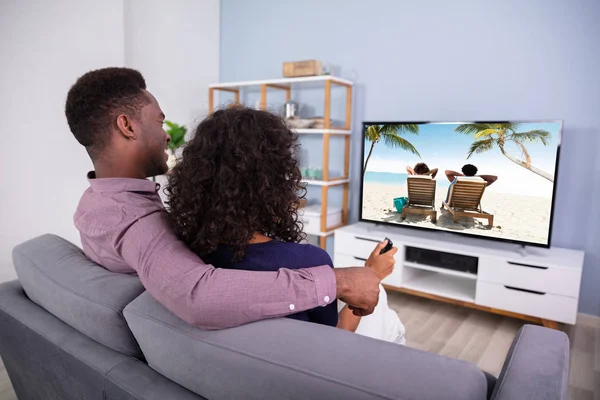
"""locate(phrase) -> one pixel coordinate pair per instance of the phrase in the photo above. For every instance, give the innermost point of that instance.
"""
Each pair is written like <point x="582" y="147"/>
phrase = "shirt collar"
<point x="121" y="184"/>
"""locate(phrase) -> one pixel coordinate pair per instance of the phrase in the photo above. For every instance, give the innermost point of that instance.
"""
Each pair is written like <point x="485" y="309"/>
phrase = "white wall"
<point x="176" y="46"/>
<point x="44" y="47"/>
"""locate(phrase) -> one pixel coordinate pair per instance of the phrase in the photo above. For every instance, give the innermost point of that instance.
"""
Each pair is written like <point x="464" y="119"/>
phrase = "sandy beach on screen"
<point x="516" y="217"/>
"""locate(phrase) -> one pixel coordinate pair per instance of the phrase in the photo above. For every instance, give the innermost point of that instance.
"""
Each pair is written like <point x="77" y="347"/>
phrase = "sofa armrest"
<point x="536" y="367"/>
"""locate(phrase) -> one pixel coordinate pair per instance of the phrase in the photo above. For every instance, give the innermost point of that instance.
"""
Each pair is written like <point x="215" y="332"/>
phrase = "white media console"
<point x="536" y="284"/>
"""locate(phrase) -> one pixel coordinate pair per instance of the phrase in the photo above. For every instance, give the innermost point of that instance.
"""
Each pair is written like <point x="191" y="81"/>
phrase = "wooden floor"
<point x="484" y="339"/>
<point x="6" y="390"/>
<point x="474" y="336"/>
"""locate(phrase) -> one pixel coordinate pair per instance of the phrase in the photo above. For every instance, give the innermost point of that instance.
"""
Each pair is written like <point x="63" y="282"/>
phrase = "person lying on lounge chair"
<point x="467" y="170"/>
<point x="421" y="169"/>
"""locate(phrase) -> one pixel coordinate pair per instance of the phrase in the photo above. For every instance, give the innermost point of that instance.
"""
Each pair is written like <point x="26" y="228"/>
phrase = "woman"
<point x="234" y="196"/>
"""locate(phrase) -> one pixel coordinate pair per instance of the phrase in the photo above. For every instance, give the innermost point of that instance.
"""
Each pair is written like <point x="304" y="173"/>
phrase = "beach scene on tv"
<point x="487" y="179"/>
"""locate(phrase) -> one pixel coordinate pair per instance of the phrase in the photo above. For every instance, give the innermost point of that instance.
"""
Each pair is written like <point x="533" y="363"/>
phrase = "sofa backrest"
<point x="57" y="276"/>
<point x="288" y="359"/>
<point x="47" y="359"/>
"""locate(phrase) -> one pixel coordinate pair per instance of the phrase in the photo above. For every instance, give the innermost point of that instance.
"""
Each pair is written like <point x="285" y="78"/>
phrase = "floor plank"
<point x="597" y="382"/>
<point x="493" y="356"/>
<point x="597" y="357"/>
<point x="579" y="394"/>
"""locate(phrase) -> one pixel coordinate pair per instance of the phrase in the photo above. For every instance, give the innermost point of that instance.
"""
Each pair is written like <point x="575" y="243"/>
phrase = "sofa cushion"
<point x="289" y="359"/>
<point x="58" y="276"/>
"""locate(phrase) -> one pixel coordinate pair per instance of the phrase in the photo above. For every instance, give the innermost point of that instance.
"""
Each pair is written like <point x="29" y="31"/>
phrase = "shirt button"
<point x="292" y="307"/>
<point x="326" y="299"/>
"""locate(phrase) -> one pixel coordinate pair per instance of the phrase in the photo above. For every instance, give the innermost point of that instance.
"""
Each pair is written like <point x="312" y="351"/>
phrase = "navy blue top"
<point x="270" y="256"/>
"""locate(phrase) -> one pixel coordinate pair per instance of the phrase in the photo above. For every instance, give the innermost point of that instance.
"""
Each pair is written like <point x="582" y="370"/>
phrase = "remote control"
<point x="387" y="247"/>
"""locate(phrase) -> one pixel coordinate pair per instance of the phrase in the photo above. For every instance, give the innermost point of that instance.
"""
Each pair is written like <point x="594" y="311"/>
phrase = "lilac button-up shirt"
<point x="124" y="228"/>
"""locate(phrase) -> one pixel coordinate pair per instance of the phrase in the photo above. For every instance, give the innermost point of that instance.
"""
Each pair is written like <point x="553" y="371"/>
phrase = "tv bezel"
<point x="475" y="236"/>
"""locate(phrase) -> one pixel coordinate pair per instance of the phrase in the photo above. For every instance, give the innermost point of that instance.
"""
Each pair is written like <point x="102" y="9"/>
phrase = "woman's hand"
<point x="382" y="264"/>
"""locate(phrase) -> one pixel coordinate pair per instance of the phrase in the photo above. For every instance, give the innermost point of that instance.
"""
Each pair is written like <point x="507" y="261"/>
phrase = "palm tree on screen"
<point x="488" y="136"/>
<point x="391" y="135"/>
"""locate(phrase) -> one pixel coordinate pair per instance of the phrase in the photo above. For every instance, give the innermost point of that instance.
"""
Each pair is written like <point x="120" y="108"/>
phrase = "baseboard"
<point x="588" y="320"/>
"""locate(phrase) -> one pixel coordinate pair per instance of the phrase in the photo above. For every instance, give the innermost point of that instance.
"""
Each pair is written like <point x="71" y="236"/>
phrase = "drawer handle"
<point x="367" y="239"/>
<point x="360" y="259"/>
<point x="527" y="265"/>
<point x="525" y="290"/>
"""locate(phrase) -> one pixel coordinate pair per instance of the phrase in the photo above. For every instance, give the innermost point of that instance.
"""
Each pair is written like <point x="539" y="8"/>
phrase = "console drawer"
<point x="540" y="304"/>
<point x="357" y="246"/>
<point x="341" y="260"/>
<point x="555" y="280"/>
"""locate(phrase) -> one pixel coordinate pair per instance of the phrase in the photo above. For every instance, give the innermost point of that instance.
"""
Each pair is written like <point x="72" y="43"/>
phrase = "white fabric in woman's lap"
<point x="383" y="323"/>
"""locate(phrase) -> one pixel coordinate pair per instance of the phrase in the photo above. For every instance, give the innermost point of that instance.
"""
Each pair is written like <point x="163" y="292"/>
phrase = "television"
<point x="487" y="179"/>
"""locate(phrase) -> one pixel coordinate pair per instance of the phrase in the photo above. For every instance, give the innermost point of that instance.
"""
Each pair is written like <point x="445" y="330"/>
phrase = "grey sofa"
<point x="69" y="329"/>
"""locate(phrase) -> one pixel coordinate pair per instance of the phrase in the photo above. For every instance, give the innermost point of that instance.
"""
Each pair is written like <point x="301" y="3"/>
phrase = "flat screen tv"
<point x="493" y="180"/>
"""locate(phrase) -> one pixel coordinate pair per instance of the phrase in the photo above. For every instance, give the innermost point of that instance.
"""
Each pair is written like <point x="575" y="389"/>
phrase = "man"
<point x="421" y="169"/>
<point x="123" y="225"/>
<point x="470" y="170"/>
<point x="467" y="170"/>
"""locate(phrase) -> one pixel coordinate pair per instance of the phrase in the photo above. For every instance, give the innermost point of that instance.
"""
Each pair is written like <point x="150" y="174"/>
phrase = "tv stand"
<point x="536" y="285"/>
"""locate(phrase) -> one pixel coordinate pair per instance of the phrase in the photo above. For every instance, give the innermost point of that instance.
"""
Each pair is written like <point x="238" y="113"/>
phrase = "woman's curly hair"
<point x="238" y="176"/>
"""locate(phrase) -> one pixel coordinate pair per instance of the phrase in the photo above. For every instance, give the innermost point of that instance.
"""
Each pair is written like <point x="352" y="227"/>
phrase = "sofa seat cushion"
<point x="288" y="359"/>
<point x="58" y="276"/>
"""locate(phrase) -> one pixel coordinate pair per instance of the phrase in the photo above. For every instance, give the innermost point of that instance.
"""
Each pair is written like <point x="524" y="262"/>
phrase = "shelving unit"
<point x="287" y="84"/>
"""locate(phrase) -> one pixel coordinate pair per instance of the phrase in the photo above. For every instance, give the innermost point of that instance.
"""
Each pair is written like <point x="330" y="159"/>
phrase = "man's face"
<point x="154" y="139"/>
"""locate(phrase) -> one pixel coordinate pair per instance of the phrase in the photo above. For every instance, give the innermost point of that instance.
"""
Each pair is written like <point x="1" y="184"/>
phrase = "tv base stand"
<point x="540" y="286"/>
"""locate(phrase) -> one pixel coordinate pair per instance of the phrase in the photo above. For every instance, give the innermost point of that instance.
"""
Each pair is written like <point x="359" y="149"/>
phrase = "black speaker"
<point x="440" y="259"/>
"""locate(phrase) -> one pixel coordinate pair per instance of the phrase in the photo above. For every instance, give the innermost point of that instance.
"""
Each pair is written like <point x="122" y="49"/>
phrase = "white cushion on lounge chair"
<point x="419" y="176"/>
<point x="469" y="178"/>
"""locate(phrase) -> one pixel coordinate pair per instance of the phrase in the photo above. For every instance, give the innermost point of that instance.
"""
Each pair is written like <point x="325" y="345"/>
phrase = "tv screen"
<point x="487" y="179"/>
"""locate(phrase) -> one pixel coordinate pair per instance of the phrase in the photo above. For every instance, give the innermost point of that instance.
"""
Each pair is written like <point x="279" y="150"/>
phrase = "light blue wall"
<point x="450" y="60"/>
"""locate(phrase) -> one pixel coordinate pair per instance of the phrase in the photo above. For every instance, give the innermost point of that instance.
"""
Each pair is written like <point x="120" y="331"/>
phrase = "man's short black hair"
<point x="469" y="170"/>
<point x="421" y="168"/>
<point x="97" y="98"/>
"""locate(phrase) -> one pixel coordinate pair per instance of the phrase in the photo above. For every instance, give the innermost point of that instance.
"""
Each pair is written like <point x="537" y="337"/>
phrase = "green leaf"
<point x="399" y="142"/>
<point x="399" y="129"/>
<point x="372" y="133"/>
<point x="509" y="126"/>
<point x="481" y="146"/>
<point x="485" y="132"/>
<point x="472" y="129"/>
<point x="537" y="135"/>
<point x="171" y="125"/>
<point x="177" y="135"/>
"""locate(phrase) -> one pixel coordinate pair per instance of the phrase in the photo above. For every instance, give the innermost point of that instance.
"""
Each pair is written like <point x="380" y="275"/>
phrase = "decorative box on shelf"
<point x="293" y="69"/>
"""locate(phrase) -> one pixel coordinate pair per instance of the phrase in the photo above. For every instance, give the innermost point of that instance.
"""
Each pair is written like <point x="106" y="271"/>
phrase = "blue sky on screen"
<point x="441" y="147"/>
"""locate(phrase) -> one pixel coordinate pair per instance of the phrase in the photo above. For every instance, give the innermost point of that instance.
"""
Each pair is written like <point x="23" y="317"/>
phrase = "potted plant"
<point x="177" y="133"/>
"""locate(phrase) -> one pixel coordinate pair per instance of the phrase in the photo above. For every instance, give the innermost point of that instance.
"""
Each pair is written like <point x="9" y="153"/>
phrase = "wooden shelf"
<point x="321" y="234"/>
<point x="315" y="182"/>
<point x="287" y="82"/>
<point x="440" y="270"/>
<point x="322" y="131"/>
